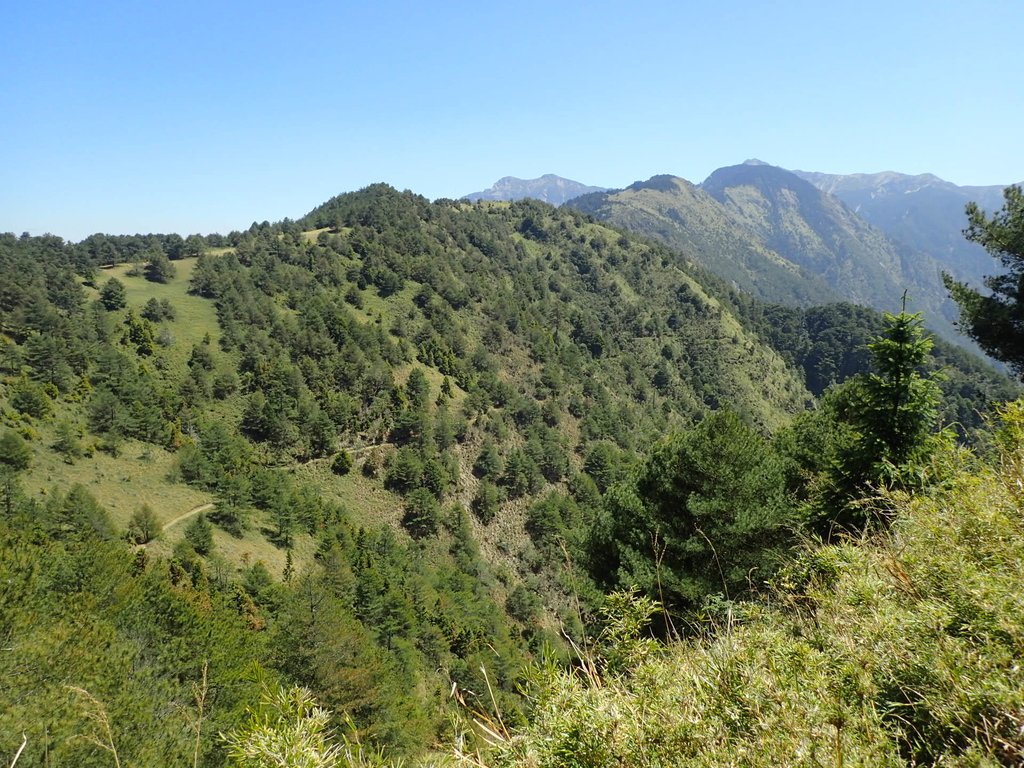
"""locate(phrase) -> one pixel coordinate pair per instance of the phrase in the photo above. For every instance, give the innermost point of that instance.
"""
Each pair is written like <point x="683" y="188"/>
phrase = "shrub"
<point x="143" y="526"/>
<point x="342" y="463"/>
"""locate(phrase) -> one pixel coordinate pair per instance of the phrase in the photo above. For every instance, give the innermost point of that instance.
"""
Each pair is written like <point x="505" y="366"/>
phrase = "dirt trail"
<point x="209" y="505"/>
<point x="187" y="515"/>
<point x="365" y="448"/>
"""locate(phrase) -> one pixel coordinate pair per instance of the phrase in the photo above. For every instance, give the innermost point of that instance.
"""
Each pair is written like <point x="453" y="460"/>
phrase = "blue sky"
<point x="205" y="116"/>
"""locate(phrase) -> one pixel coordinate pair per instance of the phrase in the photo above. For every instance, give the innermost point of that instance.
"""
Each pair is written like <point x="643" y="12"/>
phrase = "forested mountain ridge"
<point x="779" y="237"/>
<point x="366" y="406"/>
<point x="422" y="427"/>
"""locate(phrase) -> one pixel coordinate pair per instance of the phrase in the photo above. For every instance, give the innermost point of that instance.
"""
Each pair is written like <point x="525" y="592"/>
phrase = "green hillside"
<point x="393" y="453"/>
<point x="689" y="220"/>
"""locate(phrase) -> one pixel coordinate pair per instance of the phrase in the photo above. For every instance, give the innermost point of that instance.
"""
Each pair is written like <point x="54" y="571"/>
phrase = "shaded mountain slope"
<point x="819" y="233"/>
<point x="780" y="238"/>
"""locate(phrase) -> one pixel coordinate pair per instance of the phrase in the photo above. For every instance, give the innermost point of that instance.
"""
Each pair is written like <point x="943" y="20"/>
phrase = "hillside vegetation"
<point x="386" y="456"/>
<point x="901" y="649"/>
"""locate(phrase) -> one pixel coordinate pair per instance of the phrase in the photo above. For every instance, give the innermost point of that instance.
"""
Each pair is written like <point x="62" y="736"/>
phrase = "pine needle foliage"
<point x="994" y="318"/>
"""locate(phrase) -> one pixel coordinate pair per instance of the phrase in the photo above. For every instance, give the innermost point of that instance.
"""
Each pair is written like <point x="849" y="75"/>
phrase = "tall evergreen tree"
<point x="898" y="402"/>
<point x="707" y="512"/>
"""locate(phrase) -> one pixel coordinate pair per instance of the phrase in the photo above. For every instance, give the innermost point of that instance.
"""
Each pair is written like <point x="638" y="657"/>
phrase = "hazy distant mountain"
<point x="817" y="232"/>
<point x="549" y="188"/>
<point x="923" y="211"/>
<point x="779" y="237"/>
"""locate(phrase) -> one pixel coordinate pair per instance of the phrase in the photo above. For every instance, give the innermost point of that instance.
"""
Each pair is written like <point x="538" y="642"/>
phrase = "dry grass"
<point x="136" y="477"/>
<point x="363" y="498"/>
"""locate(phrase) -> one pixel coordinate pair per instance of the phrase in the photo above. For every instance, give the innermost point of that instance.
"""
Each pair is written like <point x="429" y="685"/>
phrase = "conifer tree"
<point x="14" y="452"/>
<point x="898" y="402"/>
<point x="113" y="295"/>
<point x="199" y="533"/>
<point x="888" y="416"/>
<point x="159" y="269"/>
<point x="996" y="320"/>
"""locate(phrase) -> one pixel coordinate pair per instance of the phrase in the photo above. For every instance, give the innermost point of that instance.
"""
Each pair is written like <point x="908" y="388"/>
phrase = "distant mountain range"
<point x="799" y="238"/>
<point x="772" y="233"/>
<point x="548" y="188"/>
<point x="824" y="237"/>
<point x="802" y="239"/>
<point x="689" y="219"/>
<point x="923" y="211"/>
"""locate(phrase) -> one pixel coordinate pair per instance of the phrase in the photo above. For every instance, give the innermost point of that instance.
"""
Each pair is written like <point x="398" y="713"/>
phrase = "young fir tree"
<point x="889" y="415"/>
<point x="199" y="533"/>
<point x="113" y="295"/>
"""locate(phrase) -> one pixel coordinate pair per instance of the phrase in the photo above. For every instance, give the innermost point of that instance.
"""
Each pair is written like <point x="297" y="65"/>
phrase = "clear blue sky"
<point x="192" y="116"/>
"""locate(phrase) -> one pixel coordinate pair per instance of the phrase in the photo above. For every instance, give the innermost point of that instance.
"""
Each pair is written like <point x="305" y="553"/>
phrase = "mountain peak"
<point x="549" y="188"/>
<point x="662" y="182"/>
<point x="758" y="174"/>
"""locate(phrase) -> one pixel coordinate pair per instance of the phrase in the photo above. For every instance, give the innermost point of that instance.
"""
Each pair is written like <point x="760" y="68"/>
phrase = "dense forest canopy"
<point x="396" y="450"/>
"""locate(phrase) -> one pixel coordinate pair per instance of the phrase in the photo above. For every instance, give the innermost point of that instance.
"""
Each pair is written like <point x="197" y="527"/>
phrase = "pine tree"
<point x="996" y="320"/>
<point x="14" y="452"/>
<point x="899" y="402"/>
<point x="199" y="534"/>
<point x="422" y="516"/>
<point x="113" y="295"/>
